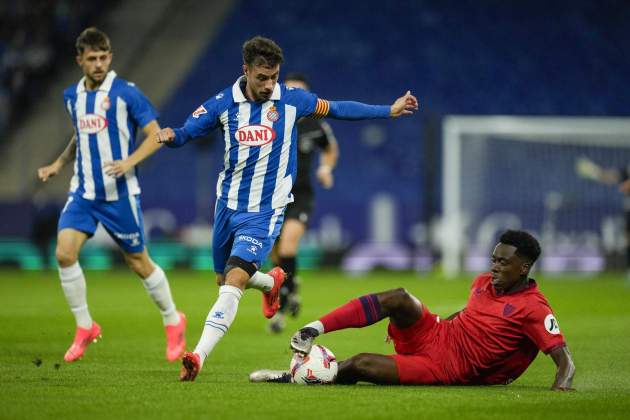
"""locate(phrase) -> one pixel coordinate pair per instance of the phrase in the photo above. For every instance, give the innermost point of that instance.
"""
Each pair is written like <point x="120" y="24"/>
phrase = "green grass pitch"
<point x="125" y="374"/>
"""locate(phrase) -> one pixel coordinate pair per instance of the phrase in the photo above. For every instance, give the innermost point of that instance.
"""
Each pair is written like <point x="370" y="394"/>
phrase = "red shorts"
<point x="422" y="351"/>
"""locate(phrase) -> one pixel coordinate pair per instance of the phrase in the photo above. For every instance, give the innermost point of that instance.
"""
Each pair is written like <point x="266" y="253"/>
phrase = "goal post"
<point x="519" y="172"/>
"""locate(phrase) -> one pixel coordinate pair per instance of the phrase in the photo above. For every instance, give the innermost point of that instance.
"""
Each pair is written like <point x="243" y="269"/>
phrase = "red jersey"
<point x="497" y="336"/>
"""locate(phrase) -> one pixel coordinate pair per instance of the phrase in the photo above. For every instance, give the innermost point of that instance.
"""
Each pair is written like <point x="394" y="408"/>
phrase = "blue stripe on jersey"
<point x="250" y="165"/>
<point x="79" y="159"/>
<point x="97" y="174"/>
<point x="233" y="124"/>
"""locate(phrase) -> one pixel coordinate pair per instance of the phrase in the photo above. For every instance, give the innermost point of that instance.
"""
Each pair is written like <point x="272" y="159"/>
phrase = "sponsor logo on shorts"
<point x="551" y="325"/>
<point x="254" y="241"/>
<point x="92" y="123"/>
<point x="132" y="238"/>
<point x="253" y="249"/>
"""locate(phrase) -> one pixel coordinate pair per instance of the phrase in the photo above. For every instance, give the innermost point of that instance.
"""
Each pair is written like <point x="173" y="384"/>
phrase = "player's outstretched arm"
<point x="351" y="110"/>
<point x="46" y="172"/>
<point x="149" y="146"/>
<point x="566" y="369"/>
<point x="405" y="105"/>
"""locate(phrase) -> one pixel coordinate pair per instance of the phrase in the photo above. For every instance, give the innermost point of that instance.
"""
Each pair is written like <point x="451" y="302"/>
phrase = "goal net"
<point x="504" y="172"/>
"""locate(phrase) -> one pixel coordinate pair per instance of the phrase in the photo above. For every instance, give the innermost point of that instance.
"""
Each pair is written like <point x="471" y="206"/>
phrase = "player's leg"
<point x="224" y="309"/>
<point x="157" y="286"/>
<point x="292" y="232"/>
<point x="69" y="244"/>
<point x="403" y="310"/>
<point x="365" y="367"/>
<point x="76" y="224"/>
<point x="253" y="241"/>
<point x="237" y="253"/>
<point x="368" y="367"/>
<point x="123" y="221"/>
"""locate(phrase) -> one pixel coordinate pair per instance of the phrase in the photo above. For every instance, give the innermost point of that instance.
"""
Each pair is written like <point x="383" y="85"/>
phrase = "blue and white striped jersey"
<point x="105" y="122"/>
<point x="260" y="160"/>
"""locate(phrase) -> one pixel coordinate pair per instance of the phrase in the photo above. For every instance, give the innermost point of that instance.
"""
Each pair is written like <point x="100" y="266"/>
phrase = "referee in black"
<point x="313" y="136"/>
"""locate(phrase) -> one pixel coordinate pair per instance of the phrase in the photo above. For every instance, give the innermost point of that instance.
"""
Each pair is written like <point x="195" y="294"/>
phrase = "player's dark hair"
<point x="526" y="245"/>
<point x="261" y="51"/>
<point x="296" y="77"/>
<point x="94" y="39"/>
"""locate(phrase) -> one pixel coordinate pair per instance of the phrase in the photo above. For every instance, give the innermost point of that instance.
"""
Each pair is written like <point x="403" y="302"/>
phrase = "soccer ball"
<point x="318" y="367"/>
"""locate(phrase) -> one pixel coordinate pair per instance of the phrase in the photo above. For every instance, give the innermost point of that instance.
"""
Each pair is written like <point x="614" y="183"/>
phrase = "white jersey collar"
<point x="105" y="86"/>
<point x="238" y="95"/>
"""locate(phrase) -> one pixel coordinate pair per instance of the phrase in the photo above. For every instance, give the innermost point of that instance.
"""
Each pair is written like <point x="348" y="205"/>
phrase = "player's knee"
<point x="361" y="365"/>
<point x="65" y="257"/>
<point x="395" y="299"/>
<point x="238" y="271"/>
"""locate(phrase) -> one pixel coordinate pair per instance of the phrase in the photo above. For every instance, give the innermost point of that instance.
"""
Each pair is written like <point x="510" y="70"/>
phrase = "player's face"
<point x="95" y="65"/>
<point x="261" y="80"/>
<point x="507" y="268"/>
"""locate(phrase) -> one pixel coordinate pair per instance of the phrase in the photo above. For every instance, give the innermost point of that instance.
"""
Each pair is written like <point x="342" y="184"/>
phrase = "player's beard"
<point x="264" y="96"/>
<point x="97" y="78"/>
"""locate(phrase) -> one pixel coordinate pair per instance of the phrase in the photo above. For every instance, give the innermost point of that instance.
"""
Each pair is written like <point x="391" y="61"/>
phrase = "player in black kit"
<point x="313" y="135"/>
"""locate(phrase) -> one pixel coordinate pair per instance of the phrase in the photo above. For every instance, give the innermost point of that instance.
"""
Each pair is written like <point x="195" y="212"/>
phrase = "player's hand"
<point x="405" y="105"/>
<point x="325" y="176"/>
<point x="624" y="187"/>
<point x="588" y="169"/>
<point x="165" y="135"/>
<point x="46" y="172"/>
<point x="117" y="168"/>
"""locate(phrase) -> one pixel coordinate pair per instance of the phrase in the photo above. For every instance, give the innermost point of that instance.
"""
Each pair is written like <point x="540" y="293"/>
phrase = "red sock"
<point x="357" y="313"/>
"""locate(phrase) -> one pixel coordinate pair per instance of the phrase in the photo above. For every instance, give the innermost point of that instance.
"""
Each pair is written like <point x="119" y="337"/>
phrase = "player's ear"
<point x="525" y="267"/>
<point x="245" y="69"/>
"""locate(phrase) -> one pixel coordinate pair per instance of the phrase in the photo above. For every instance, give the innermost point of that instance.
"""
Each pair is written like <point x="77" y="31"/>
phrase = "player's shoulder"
<point x="70" y="91"/>
<point x="217" y="103"/>
<point x="214" y="105"/>
<point x="292" y="95"/>
<point x="124" y="87"/>
<point x="221" y="99"/>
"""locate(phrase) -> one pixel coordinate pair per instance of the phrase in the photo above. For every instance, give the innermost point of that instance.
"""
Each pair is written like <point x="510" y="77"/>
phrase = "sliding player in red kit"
<point x="493" y="340"/>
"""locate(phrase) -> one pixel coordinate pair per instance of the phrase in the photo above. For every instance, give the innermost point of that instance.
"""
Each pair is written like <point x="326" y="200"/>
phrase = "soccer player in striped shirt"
<point x="257" y="116"/>
<point x="105" y="112"/>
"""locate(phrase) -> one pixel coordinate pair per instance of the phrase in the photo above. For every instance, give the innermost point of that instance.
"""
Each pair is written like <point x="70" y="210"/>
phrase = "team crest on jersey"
<point x="106" y="104"/>
<point x="91" y="123"/>
<point x="551" y="325"/>
<point x="255" y="135"/>
<point x="508" y="309"/>
<point x="199" y="111"/>
<point x="273" y="115"/>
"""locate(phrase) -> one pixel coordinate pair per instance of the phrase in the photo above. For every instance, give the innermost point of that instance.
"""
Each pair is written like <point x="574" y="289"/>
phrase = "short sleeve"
<point x="139" y="106"/>
<point x="541" y="326"/>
